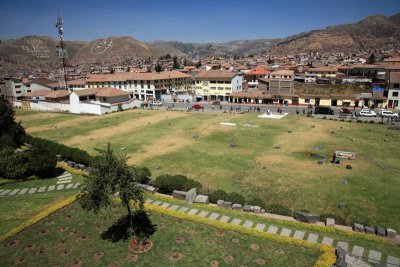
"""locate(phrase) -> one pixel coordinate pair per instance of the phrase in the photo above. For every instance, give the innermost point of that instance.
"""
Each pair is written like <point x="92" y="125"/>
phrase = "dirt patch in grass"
<point x="98" y="255"/>
<point x="214" y="263"/>
<point x="255" y="247"/>
<point x="175" y="256"/>
<point x="180" y="239"/>
<point x="260" y="261"/>
<point x="12" y="243"/>
<point x="29" y="247"/>
<point x="107" y="133"/>
<point x="132" y="258"/>
<point x="229" y="258"/>
<point x="73" y="121"/>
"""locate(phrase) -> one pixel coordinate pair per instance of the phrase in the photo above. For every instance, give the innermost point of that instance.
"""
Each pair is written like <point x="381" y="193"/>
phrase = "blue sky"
<point x="183" y="20"/>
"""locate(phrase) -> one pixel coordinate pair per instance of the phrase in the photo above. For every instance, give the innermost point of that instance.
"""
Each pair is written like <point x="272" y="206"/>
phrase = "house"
<point x="100" y="101"/>
<point x="217" y="84"/>
<point x="253" y="76"/>
<point x="327" y="72"/>
<point x="12" y="89"/>
<point x="394" y="90"/>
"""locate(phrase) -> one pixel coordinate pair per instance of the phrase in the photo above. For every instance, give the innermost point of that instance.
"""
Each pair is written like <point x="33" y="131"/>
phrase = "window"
<point x="307" y="100"/>
<point x="18" y="92"/>
<point x="395" y="93"/>
<point x="104" y="99"/>
<point x="82" y="98"/>
<point x="396" y="85"/>
<point x="220" y="88"/>
<point x="92" y="97"/>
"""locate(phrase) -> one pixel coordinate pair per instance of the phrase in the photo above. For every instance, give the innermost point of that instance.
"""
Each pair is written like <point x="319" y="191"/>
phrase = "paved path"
<point x="370" y="256"/>
<point x="64" y="181"/>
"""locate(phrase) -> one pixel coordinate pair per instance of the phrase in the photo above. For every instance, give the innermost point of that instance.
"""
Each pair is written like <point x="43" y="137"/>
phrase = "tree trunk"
<point x="130" y="213"/>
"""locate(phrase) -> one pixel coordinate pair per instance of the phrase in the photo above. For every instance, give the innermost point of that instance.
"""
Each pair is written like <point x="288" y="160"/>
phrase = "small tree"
<point x="11" y="132"/>
<point x="176" y="64"/>
<point x="158" y="67"/>
<point x="198" y="64"/>
<point x="110" y="175"/>
<point x="371" y="59"/>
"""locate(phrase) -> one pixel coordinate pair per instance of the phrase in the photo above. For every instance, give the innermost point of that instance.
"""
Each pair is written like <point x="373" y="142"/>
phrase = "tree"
<point x="198" y="64"/>
<point x="111" y="174"/>
<point x="371" y="59"/>
<point x="158" y="67"/>
<point x="176" y="64"/>
<point x="11" y="132"/>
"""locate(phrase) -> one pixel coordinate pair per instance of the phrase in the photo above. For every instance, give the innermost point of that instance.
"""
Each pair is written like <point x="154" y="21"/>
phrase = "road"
<point x="232" y="107"/>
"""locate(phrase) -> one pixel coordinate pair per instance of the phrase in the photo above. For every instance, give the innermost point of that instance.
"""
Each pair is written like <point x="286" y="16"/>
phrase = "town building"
<point x="394" y="90"/>
<point x="217" y="84"/>
<point x="143" y="86"/>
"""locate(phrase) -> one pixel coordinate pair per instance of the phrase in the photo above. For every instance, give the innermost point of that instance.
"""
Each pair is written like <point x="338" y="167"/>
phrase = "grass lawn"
<point x="72" y="234"/>
<point x="15" y="210"/>
<point x="194" y="144"/>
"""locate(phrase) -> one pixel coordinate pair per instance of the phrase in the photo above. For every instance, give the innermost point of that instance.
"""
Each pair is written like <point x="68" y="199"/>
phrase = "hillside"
<point x="32" y="52"/>
<point x="113" y="50"/>
<point x="374" y="32"/>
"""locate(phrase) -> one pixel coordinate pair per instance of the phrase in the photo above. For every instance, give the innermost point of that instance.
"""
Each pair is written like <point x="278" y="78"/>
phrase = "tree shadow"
<point x="122" y="230"/>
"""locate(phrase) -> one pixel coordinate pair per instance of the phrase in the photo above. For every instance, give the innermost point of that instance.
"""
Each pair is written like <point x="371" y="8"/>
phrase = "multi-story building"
<point x="253" y="76"/>
<point x="394" y="90"/>
<point x="217" y="84"/>
<point x="281" y="82"/>
<point x="143" y="86"/>
<point x="323" y="72"/>
<point x="12" y="90"/>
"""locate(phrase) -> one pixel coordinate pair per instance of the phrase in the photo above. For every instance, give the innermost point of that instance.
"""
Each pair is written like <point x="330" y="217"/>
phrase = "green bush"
<point x="279" y="209"/>
<point x="13" y="165"/>
<point x="256" y="202"/>
<point x="217" y="195"/>
<point x="168" y="183"/>
<point x="142" y="175"/>
<point x="41" y="161"/>
<point x="235" y="198"/>
<point x="69" y="153"/>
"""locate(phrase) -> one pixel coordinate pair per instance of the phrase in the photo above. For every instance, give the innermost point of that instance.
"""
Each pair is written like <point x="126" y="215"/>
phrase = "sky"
<point x="183" y="20"/>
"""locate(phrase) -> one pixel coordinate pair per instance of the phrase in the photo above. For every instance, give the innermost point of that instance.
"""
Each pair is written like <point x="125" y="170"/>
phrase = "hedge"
<point x="327" y="257"/>
<point x="69" y="153"/>
<point x="38" y="217"/>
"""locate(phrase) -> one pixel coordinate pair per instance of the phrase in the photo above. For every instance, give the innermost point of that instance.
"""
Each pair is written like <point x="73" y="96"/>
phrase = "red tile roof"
<point x="43" y="92"/>
<point x="110" y="92"/>
<point x="58" y="94"/>
<point x="131" y="76"/>
<point x="258" y="71"/>
<point x="215" y="74"/>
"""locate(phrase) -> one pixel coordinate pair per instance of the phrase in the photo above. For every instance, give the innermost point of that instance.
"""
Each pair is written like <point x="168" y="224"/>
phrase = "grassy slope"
<point x="195" y="250"/>
<point x="291" y="178"/>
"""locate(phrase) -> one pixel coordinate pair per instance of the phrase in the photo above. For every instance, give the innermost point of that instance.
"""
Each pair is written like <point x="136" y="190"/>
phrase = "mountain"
<point x="32" y="52"/>
<point x="231" y="48"/>
<point x="113" y="50"/>
<point x="374" y="32"/>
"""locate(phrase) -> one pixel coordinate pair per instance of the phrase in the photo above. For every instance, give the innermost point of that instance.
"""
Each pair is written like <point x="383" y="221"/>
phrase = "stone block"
<point x="236" y="221"/>
<point x="343" y="245"/>
<point x="358" y="251"/>
<point x="374" y="256"/>
<point x="380" y="231"/>
<point x="191" y="196"/>
<point x="151" y="189"/>
<point x="305" y="217"/>
<point x="393" y="261"/>
<point x="149" y="201"/>
<point x="285" y="232"/>
<point x="202" y="199"/>
<point x="213" y="216"/>
<point x="184" y="209"/>
<point x="220" y="203"/>
<point x="391" y="233"/>
<point x="13" y="192"/>
<point x="330" y="222"/>
<point x="358" y="227"/>
<point x="257" y="209"/>
<point x="237" y="206"/>
<point x="174" y="207"/>
<point x="272" y="229"/>
<point x="299" y="234"/>
<point x="327" y="241"/>
<point x="369" y="230"/>
<point x="224" y="218"/>
<point x="260" y="227"/>
<point x="203" y="214"/>
<point x="179" y="194"/>
<point x="193" y="211"/>
<point x="165" y="205"/>
<point x="227" y="204"/>
<point x="157" y="203"/>
<point x="312" y="238"/>
<point x="247" y="208"/>
<point x="33" y="190"/>
<point x="248" y="224"/>
<point x="51" y="188"/>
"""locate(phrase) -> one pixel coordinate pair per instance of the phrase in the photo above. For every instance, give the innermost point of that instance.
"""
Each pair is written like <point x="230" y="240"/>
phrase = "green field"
<point x="196" y="145"/>
<point x="71" y="236"/>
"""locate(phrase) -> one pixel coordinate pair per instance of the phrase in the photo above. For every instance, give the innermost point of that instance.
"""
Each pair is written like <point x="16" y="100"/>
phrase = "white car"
<point x="367" y="113"/>
<point x="388" y="113"/>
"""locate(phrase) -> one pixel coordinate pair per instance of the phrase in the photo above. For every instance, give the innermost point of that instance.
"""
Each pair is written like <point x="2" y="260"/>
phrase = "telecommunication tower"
<point x="61" y="50"/>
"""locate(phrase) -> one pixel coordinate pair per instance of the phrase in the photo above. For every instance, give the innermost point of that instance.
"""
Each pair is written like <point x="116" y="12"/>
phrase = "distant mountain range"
<point x="374" y="32"/>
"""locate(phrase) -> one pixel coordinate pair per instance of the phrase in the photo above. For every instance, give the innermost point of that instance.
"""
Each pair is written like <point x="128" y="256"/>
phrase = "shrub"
<point x="235" y="198"/>
<point x="256" y="202"/>
<point x="359" y="121"/>
<point x="189" y="184"/>
<point x="41" y="161"/>
<point x="168" y="183"/>
<point x="372" y="122"/>
<point x="13" y="165"/>
<point x="69" y="153"/>
<point x="279" y="209"/>
<point x="217" y="195"/>
<point x="142" y="174"/>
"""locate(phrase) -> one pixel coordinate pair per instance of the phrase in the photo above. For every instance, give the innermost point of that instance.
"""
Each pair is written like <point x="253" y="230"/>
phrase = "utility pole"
<point x="61" y="50"/>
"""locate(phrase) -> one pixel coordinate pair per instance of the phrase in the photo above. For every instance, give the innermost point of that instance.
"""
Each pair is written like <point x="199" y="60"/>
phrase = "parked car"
<point x="157" y="103"/>
<point x="323" y="110"/>
<point x="345" y="111"/>
<point x="367" y="113"/>
<point x="388" y="113"/>
<point x="197" y="107"/>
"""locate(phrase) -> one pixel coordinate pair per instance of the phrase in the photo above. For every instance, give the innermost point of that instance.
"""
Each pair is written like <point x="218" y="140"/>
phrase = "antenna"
<point x="60" y="48"/>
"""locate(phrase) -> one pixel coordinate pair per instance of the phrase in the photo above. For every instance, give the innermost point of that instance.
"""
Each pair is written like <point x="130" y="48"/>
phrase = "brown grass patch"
<point x="107" y="133"/>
